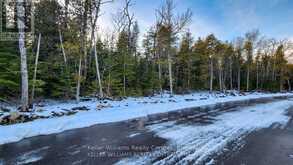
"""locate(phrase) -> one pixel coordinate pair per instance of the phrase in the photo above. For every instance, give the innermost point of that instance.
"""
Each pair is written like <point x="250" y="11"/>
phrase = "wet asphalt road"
<point x="109" y="143"/>
<point x="270" y="146"/>
<point x="80" y="146"/>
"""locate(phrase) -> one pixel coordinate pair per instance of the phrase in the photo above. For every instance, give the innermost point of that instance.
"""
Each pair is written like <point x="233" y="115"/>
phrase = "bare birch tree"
<point x="238" y="46"/>
<point x="129" y="22"/>
<point x="62" y="46"/>
<point x="23" y="55"/>
<point x="36" y="67"/>
<point x="174" y="25"/>
<point x="211" y="72"/>
<point x="83" y="55"/>
<point x="231" y="72"/>
<point x="250" y="45"/>
<point x="95" y="11"/>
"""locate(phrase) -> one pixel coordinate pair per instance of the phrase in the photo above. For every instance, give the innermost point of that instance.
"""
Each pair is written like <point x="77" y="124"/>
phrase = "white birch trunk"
<point x="160" y="78"/>
<point x="160" y="73"/>
<point x="62" y="47"/>
<point x="95" y="16"/>
<point x="239" y="78"/>
<point x="78" y="80"/>
<point x="257" y="76"/>
<point x="188" y="74"/>
<point x="124" y="77"/>
<point x="109" y="83"/>
<point x="84" y="50"/>
<point x="23" y="58"/>
<point x="36" y="67"/>
<point x="220" y="81"/>
<point x="170" y="73"/>
<point x="211" y="74"/>
<point x="247" y="78"/>
<point x="281" y="80"/>
<point x="231" y="75"/>
<point x="98" y="71"/>
<point x="220" y="76"/>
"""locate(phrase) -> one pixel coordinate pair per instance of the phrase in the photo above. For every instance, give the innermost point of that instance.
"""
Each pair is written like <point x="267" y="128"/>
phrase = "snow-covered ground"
<point x="112" y="111"/>
<point x="195" y="144"/>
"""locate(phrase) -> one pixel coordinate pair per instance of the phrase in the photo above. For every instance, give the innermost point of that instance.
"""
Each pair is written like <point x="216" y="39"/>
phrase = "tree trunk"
<point x="220" y="77"/>
<point x="23" y="58"/>
<point x="257" y="76"/>
<point x="247" y="78"/>
<point x="62" y="47"/>
<point x="98" y="71"/>
<point x="170" y="73"/>
<point x="281" y="80"/>
<point x="160" y="77"/>
<point x="36" y="68"/>
<point x="274" y="70"/>
<point x="160" y="71"/>
<point x="289" y="85"/>
<point x="94" y="44"/>
<point x="78" y="80"/>
<point x="223" y="82"/>
<point x="109" y="82"/>
<point x="239" y="78"/>
<point x="189" y="73"/>
<point x="158" y="52"/>
<point x="83" y="47"/>
<point x="231" y="75"/>
<point x="281" y="85"/>
<point x="66" y="13"/>
<point x="124" y="75"/>
<point x="67" y="68"/>
<point x="211" y="74"/>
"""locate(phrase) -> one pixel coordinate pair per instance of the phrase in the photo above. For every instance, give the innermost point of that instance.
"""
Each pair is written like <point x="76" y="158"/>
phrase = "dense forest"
<point x="67" y="57"/>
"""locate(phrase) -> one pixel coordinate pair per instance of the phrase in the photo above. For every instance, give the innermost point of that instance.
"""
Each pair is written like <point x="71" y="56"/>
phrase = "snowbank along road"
<point x="196" y="138"/>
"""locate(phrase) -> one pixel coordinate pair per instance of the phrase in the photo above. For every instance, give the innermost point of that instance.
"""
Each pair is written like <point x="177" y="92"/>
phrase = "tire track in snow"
<point x="32" y="156"/>
<point x="195" y="144"/>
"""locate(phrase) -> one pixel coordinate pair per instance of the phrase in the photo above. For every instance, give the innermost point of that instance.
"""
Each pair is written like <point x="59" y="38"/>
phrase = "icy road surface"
<point x="197" y="143"/>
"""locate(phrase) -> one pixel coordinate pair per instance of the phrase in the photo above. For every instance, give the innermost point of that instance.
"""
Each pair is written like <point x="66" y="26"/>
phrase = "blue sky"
<point x="227" y="19"/>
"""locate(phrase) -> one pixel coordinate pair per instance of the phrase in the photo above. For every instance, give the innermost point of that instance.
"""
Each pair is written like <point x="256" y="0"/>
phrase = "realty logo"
<point x="8" y="19"/>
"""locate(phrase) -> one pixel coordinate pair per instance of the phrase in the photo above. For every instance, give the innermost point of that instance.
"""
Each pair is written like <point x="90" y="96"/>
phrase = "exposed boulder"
<point x="57" y="114"/>
<point x="101" y="106"/>
<point x="13" y="116"/>
<point x="190" y="99"/>
<point x="4" y="109"/>
<point x="171" y="100"/>
<point x="83" y="108"/>
<point x="16" y="117"/>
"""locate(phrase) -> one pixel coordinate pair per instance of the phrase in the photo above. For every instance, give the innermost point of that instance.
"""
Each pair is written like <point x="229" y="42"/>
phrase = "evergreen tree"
<point x="281" y="65"/>
<point x="211" y="43"/>
<point x="200" y="65"/>
<point x="183" y="63"/>
<point x="249" y="53"/>
<point x="9" y="74"/>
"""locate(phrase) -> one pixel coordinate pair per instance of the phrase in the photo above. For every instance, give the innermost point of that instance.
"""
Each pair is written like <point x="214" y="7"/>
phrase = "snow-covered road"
<point x="197" y="144"/>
